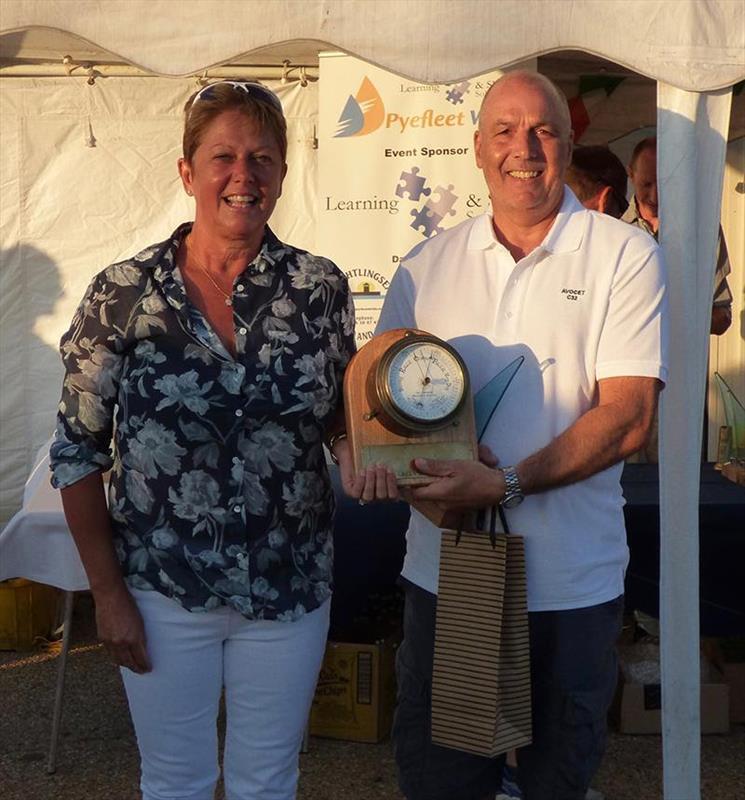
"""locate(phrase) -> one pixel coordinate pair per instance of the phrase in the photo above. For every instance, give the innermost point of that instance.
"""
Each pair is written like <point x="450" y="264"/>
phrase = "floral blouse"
<point x="219" y="492"/>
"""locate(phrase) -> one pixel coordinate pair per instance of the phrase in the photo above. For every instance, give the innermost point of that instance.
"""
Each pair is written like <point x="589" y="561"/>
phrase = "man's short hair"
<point x="594" y="167"/>
<point x="649" y="143"/>
<point x="549" y="87"/>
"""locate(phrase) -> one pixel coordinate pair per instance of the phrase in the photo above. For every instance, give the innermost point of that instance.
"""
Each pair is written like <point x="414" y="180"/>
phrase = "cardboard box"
<point x="27" y="610"/>
<point x="734" y="675"/>
<point x="640" y="708"/>
<point x="728" y="653"/>
<point x="356" y="691"/>
<point x="638" y="704"/>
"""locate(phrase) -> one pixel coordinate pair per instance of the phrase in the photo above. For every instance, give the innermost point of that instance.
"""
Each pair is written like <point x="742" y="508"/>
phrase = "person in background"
<point x="582" y="297"/>
<point x="643" y="211"/>
<point x="598" y="179"/>
<point x="213" y="363"/>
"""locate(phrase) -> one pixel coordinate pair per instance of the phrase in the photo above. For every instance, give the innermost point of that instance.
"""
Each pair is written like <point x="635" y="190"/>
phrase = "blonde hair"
<point x="212" y="100"/>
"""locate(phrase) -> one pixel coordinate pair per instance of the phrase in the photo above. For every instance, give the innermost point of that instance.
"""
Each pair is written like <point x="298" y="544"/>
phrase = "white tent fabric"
<point x="692" y="44"/>
<point x="88" y="177"/>
<point x="49" y="166"/>
<point x="692" y="130"/>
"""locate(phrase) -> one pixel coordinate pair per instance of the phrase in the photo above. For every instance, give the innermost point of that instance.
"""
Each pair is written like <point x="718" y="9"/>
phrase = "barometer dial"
<point x="421" y="382"/>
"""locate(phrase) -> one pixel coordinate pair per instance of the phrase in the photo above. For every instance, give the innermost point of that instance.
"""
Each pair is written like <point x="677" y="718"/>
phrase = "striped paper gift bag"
<point x="481" y="677"/>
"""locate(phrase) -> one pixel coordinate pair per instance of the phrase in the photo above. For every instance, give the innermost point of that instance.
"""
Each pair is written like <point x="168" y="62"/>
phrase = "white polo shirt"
<point x="588" y="303"/>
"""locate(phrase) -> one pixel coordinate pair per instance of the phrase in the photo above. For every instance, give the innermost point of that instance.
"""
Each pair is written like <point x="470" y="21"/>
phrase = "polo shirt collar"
<point x="564" y="236"/>
<point x="482" y="236"/>
<point x="633" y="217"/>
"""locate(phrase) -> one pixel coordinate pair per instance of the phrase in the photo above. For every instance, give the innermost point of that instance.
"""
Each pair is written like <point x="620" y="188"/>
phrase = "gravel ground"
<point x="97" y="758"/>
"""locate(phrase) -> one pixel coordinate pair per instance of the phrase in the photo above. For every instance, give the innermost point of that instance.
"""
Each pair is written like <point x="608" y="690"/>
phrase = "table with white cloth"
<point x="36" y="543"/>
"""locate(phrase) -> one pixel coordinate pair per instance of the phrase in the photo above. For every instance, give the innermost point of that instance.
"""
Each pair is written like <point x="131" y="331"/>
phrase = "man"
<point x="643" y="212"/>
<point x="581" y="296"/>
<point x="598" y="178"/>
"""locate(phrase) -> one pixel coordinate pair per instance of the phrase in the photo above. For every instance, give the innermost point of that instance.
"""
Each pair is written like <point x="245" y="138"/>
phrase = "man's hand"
<point x="459" y="485"/>
<point x="121" y="629"/>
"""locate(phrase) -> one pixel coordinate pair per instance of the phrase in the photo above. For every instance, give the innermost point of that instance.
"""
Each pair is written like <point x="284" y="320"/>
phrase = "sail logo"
<point x="363" y="113"/>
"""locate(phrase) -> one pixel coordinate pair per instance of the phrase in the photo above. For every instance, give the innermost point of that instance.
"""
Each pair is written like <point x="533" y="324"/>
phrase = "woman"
<point x="215" y="361"/>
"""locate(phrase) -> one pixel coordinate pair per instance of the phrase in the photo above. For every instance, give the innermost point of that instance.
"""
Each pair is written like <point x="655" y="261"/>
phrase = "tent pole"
<point x="692" y="139"/>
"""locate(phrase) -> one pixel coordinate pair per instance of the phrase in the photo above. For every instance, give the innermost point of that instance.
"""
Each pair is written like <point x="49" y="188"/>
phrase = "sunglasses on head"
<point x="255" y="90"/>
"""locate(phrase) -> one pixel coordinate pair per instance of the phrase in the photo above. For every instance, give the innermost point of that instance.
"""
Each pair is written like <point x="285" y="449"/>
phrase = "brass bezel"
<point x="383" y="388"/>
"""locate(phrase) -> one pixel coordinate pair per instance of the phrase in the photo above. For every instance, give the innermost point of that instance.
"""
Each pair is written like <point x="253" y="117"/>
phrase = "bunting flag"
<point x="593" y="91"/>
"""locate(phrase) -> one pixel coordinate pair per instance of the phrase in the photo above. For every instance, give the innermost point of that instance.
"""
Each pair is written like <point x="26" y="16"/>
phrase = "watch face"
<point x="513" y="502"/>
<point x="424" y="382"/>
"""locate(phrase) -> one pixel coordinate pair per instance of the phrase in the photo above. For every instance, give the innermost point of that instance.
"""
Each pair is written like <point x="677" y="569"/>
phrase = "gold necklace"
<point x="227" y="297"/>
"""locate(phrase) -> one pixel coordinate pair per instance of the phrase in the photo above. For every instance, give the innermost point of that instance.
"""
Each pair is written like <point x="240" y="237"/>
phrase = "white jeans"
<point x="269" y="672"/>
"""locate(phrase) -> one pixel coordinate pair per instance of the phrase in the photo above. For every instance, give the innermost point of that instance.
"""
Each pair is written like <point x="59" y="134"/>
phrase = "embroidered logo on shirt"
<point x="572" y="294"/>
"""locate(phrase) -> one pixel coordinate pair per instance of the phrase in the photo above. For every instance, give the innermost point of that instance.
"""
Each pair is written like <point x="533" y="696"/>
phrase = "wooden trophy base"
<point x="376" y="439"/>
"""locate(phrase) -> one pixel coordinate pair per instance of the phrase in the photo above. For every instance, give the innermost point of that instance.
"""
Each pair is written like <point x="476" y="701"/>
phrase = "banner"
<point x="396" y="167"/>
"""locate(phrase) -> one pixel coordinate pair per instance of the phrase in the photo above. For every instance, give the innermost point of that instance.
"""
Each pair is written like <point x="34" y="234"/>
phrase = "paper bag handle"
<point x="493" y="511"/>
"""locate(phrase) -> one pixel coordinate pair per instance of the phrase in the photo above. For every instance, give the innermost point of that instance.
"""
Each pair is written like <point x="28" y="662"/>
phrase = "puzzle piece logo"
<point x="455" y="93"/>
<point x="426" y="219"/>
<point x="363" y="113"/>
<point x="443" y="205"/>
<point x="412" y="185"/>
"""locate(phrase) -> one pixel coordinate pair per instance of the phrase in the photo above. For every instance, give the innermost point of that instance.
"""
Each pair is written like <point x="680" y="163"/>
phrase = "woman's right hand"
<point x="121" y="629"/>
<point x="377" y="482"/>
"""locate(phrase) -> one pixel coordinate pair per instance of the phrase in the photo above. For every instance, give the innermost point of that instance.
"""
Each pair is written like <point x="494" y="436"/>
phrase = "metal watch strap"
<point x="513" y="494"/>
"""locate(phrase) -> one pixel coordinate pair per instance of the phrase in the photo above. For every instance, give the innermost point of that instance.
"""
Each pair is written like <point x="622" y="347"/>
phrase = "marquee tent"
<point x="91" y="92"/>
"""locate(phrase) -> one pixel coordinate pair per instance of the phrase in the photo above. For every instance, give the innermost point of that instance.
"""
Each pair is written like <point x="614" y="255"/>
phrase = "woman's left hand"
<point x="377" y="482"/>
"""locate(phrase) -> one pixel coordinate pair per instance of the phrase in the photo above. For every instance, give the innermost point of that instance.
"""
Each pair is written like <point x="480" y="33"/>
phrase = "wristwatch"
<point x="513" y="494"/>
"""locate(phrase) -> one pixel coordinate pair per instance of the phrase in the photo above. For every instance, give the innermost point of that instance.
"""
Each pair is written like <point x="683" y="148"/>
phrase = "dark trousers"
<point x="574" y="669"/>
